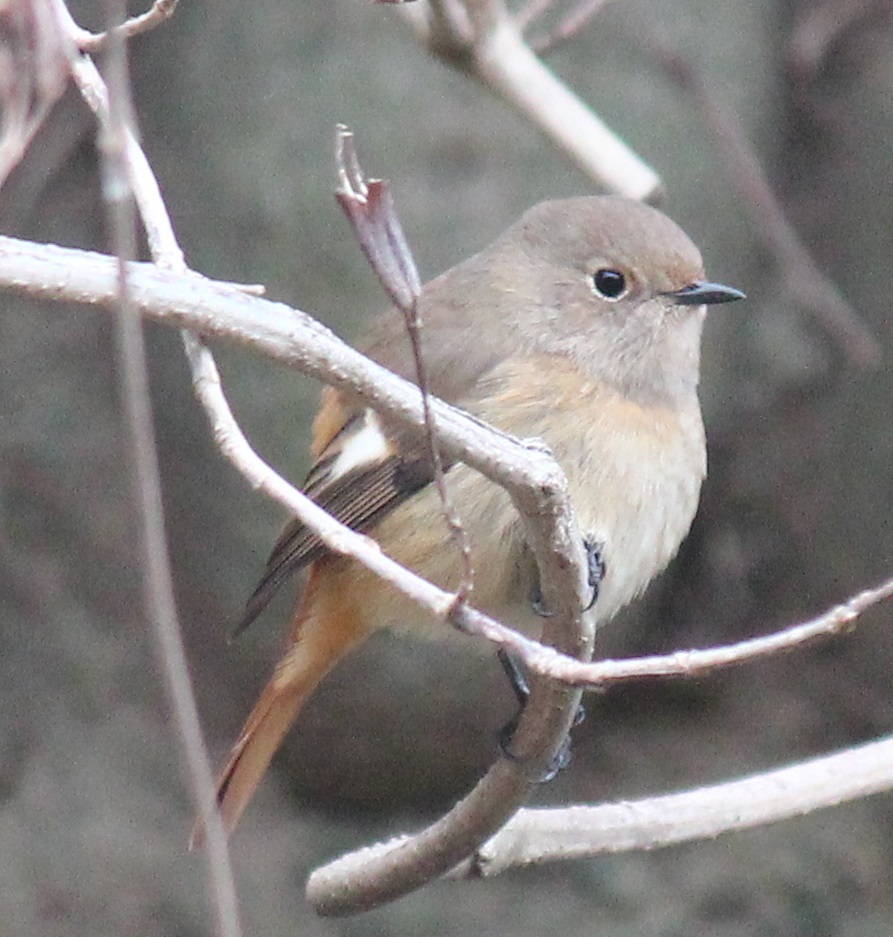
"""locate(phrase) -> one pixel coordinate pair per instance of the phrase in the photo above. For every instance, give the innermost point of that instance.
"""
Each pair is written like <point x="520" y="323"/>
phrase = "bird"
<point x="580" y="326"/>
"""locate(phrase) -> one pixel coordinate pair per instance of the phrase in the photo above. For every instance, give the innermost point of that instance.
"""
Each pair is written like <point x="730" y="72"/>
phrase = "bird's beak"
<point x="704" y="293"/>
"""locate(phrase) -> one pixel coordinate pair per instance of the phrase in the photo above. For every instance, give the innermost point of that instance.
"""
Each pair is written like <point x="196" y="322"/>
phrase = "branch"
<point x="33" y="75"/>
<point x="369" y="207"/>
<point x="158" y="13"/>
<point x="836" y="620"/>
<point x="817" y="26"/>
<point x="223" y="311"/>
<point x="537" y="836"/>
<point x="129" y="177"/>
<point x="531" y="477"/>
<point x="803" y="280"/>
<point x="481" y="39"/>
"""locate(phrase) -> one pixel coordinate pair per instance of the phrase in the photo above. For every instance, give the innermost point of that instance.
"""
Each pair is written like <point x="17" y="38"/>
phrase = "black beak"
<point x="703" y="293"/>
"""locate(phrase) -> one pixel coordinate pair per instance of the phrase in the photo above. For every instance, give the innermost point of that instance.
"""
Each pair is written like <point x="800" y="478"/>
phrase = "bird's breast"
<point x="635" y="477"/>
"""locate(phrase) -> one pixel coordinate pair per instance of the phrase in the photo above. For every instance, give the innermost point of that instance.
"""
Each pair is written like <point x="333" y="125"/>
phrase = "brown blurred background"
<point x="237" y="104"/>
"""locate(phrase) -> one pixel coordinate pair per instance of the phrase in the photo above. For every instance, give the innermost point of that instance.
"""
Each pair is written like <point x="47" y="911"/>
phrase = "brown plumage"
<point x="581" y="325"/>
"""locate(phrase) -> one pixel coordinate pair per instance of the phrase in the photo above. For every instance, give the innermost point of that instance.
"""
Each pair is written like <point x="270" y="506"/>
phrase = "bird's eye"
<point x="609" y="283"/>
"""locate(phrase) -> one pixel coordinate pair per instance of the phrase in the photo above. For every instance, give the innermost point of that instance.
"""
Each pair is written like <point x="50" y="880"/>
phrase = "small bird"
<point x="581" y="325"/>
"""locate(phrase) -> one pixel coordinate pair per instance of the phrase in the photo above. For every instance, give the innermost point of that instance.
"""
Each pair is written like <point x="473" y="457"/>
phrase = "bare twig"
<point x="804" y="281"/>
<point x="568" y="27"/>
<point x="158" y="13"/>
<point x="221" y="311"/>
<point x="130" y="176"/>
<point x="480" y="38"/>
<point x="370" y="208"/>
<point x="836" y="620"/>
<point x="531" y="477"/>
<point x="818" y="26"/>
<point x="536" y="836"/>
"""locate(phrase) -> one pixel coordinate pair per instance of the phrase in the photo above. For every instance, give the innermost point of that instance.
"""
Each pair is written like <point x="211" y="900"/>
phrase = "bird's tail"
<point x="323" y="633"/>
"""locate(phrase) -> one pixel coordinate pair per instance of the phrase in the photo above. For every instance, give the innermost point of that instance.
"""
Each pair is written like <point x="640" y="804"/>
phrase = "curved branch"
<point x="537" y="836"/>
<point x="222" y="310"/>
<point x="533" y="480"/>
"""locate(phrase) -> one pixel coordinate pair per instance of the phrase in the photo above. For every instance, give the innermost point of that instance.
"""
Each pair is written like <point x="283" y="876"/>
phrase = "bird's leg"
<point x="521" y="689"/>
<point x="595" y="566"/>
<point x="595" y="570"/>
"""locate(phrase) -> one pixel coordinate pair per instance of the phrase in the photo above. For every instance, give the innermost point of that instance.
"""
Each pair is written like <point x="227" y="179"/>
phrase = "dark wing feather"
<point x="358" y="499"/>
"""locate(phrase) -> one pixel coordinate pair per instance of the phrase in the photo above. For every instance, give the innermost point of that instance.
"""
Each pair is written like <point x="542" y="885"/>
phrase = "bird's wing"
<point x="359" y="476"/>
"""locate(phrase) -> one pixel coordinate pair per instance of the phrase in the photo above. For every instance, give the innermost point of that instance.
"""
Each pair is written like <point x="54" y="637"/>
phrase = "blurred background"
<point x="237" y="104"/>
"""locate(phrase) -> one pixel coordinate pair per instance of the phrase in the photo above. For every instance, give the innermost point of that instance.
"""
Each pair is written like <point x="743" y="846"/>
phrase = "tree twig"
<point x="803" y="280"/>
<point x="568" y="27"/>
<point x="369" y="207"/>
<point x="158" y="13"/>
<point x="480" y="38"/>
<point x="133" y="179"/>
<point x="222" y="311"/>
<point x="33" y="74"/>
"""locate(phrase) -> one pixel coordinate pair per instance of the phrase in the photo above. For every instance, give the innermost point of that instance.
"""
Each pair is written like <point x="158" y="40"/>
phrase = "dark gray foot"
<point x="521" y="689"/>
<point x="595" y="569"/>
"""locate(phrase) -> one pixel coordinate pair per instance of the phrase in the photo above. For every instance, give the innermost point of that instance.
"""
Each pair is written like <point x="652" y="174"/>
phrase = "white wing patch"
<point x="365" y="446"/>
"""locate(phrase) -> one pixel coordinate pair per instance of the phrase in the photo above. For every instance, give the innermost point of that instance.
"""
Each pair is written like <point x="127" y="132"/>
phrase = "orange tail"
<point x="323" y="635"/>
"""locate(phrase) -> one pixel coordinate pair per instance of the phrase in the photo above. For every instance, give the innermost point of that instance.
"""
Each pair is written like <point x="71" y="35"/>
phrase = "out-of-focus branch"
<point x="480" y="38"/>
<point x="536" y="836"/>
<point x="158" y="13"/>
<point x="568" y="27"/>
<point x="129" y="177"/>
<point x="804" y="282"/>
<point x="33" y="75"/>
<point x="818" y="25"/>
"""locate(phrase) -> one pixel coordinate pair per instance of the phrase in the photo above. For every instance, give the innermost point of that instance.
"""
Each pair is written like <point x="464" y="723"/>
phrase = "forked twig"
<point x="158" y="13"/>
<point x="480" y="38"/>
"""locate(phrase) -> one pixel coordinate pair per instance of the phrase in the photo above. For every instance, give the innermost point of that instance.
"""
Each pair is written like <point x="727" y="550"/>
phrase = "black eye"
<point x="611" y="284"/>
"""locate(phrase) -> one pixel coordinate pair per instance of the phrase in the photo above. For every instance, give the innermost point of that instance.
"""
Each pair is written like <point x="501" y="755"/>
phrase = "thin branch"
<point x="537" y="836"/>
<point x="369" y="207"/>
<point x="160" y="12"/>
<point x="697" y="663"/>
<point x="219" y="310"/>
<point x="571" y="25"/>
<point x="481" y="39"/>
<point x="133" y="177"/>
<point x="803" y="280"/>
<point x="818" y="26"/>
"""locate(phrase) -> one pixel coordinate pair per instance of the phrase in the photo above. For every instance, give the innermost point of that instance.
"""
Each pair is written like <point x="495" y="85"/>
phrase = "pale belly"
<point x="637" y="500"/>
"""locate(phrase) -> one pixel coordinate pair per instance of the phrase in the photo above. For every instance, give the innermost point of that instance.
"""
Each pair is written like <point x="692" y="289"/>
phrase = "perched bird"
<point x="580" y="325"/>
